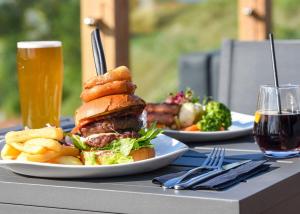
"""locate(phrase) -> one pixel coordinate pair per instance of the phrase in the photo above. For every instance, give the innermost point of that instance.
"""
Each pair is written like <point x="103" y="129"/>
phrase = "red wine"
<point x="277" y="132"/>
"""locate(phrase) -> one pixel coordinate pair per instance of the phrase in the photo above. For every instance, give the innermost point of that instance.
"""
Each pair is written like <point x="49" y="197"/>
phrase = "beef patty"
<point x="101" y="140"/>
<point x="112" y="124"/>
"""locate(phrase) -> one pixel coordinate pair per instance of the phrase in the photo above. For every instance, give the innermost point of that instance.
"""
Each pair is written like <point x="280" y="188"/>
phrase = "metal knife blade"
<point x="235" y="164"/>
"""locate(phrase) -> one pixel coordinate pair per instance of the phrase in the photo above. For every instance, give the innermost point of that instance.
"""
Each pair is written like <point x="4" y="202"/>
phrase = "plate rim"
<point x="184" y="148"/>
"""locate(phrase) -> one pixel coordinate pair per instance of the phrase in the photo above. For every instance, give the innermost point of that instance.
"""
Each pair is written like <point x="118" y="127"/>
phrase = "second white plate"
<point x="242" y="125"/>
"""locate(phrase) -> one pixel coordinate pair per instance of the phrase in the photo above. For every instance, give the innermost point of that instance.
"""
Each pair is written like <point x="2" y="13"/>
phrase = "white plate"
<point x="167" y="150"/>
<point x="242" y="124"/>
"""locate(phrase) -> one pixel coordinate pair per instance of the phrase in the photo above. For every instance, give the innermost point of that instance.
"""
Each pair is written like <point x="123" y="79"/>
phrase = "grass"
<point x="196" y="27"/>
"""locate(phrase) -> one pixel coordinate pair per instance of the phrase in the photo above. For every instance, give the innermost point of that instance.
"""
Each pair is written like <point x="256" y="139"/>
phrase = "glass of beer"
<point x="277" y="130"/>
<point x="40" y="75"/>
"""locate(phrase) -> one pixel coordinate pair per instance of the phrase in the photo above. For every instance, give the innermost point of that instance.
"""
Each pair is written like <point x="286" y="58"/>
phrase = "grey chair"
<point x="200" y="72"/>
<point x="244" y="66"/>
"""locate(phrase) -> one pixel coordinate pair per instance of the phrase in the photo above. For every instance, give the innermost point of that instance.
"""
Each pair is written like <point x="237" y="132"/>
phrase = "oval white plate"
<point x="167" y="150"/>
<point x="242" y="124"/>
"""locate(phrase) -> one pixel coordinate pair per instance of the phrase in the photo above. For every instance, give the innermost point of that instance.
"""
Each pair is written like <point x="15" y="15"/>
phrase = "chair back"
<point x="244" y="66"/>
<point x="200" y="72"/>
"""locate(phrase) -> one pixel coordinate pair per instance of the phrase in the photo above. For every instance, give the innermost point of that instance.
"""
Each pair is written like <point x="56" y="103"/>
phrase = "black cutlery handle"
<point x="98" y="52"/>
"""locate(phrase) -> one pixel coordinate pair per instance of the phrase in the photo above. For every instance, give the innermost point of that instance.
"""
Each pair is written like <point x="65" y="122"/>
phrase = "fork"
<point x="211" y="162"/>
<point x="218" y="170"/>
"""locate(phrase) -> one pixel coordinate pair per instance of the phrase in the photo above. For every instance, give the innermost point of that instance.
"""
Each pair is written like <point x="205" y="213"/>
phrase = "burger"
<point x="109" y="127"/>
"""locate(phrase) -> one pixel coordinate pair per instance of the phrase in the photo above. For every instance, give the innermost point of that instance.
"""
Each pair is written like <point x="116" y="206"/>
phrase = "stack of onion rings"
<point x="117" y="81"/>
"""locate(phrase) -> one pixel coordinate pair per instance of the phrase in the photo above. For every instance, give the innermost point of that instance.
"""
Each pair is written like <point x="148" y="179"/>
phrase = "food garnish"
<point x="257" y="116"/>
<point x="216" y="117"/>
<point x="192" y="128"/>
<point x="190" y="113"/>
<point x="183" y="111"/>
<point x="182" y="97"/>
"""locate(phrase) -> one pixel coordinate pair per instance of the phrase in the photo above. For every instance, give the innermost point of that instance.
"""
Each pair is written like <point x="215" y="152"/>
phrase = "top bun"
<point x="106" y="105"/>
<point x="117" y="74"/>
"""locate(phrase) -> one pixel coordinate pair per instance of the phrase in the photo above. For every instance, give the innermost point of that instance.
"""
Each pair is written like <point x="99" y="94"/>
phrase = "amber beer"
<point x="40" y="74"/>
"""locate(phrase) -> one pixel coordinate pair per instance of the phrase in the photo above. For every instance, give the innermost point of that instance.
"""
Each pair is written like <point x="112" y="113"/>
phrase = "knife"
<point x="205" y="176"/>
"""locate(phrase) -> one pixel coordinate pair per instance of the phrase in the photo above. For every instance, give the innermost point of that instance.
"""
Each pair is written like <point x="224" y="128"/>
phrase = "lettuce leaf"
<point x="78" y="142"/>
<point x="92" y="158"/>
<point x="116" y="158"/>
<point x="89" y="158"/>
<point x="146" y="136"/>
<point x="125" y="145"/>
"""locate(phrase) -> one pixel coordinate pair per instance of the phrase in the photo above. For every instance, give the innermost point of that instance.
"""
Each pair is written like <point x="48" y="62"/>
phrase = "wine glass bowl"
<point x="277" y="128"/>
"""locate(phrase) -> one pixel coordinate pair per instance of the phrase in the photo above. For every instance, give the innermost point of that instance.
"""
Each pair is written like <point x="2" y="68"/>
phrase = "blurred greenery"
<point x="160" y="33"/>
<point x="179" y="29"/>
<point x="39" y="20"/>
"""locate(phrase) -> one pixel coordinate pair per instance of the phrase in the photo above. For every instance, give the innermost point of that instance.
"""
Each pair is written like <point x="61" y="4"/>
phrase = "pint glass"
<point x="40" y="75"/>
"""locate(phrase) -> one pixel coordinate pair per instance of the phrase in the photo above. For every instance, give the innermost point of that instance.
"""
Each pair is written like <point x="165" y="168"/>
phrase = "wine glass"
<point x="277" y="120"/>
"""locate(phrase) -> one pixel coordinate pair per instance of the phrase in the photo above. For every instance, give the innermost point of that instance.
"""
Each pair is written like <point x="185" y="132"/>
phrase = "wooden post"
<point x="254" y="19"/>
<point x="112" y="18"/>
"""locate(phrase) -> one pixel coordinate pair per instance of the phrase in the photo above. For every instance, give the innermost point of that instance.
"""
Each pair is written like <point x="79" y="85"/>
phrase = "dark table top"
<point x="272" y="192"/>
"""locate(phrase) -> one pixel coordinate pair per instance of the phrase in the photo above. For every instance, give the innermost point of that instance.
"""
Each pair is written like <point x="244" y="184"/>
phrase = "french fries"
<point x="9" y="153"/>
<point x="67" y="160"/>
<point x="47" y="143"/>
<point x="17" y="146"/>
<point x="39" y="145"/>
<point x="22" y="136"/>
<point x="34" y="149"/>
<point x="22" y="157"/>
<point x="48" y="155"/>
<point x="69" y="151"/>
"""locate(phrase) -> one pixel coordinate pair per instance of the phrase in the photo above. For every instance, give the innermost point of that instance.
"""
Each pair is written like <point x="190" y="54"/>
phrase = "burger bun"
<point x="142" y="153"/>
<point x="106" y="105"/>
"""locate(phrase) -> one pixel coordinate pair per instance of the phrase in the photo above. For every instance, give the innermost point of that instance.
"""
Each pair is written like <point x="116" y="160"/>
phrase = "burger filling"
<point x="127" y="119"/>
<point x="120" y="124"/>
<point x="113" y="148"/>
<point x="102" y="140"/>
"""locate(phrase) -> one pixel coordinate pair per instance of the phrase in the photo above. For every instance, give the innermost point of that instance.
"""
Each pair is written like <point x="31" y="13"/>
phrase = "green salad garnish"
<point x="216" y="117"/>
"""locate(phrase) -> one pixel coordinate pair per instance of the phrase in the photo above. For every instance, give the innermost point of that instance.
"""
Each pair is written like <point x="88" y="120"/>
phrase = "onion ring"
<point x="110" y="88"/>
<point x="117" y="74"/>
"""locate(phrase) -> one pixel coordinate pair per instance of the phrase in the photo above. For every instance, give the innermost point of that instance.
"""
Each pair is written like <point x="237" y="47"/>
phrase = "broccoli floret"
<point x="216" y="117"/>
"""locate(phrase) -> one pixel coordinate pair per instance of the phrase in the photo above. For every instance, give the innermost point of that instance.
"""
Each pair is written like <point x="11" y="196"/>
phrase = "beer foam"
<point x="39" y="44"/>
